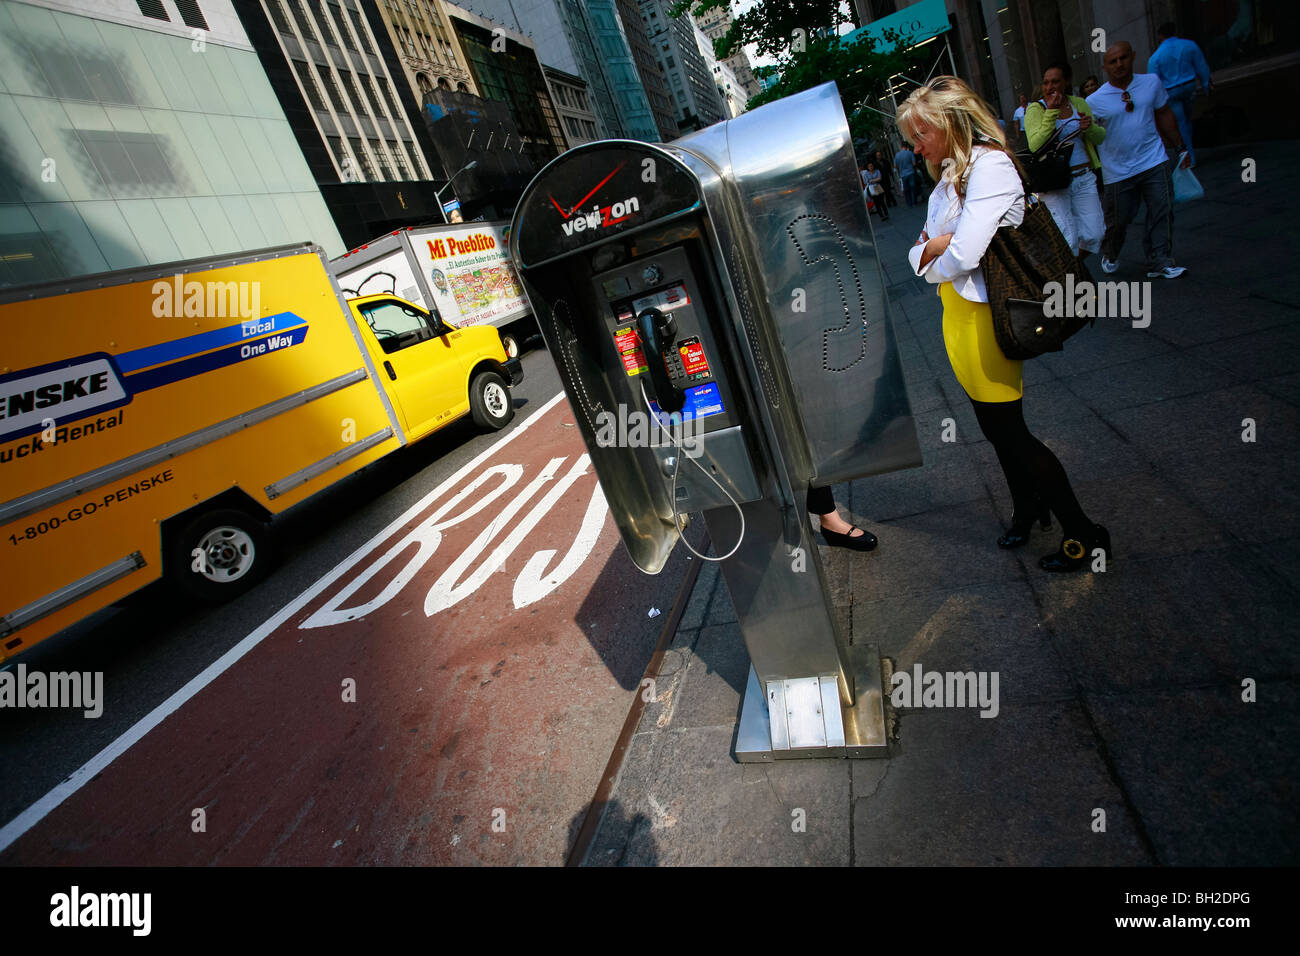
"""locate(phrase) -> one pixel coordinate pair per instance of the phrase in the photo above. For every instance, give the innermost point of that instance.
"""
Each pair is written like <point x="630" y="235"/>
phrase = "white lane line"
<point x="78" y="778"/>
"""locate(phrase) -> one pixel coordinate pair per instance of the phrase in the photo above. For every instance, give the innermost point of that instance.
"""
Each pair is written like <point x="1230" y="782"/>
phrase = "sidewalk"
<point x="1119" y="691"/>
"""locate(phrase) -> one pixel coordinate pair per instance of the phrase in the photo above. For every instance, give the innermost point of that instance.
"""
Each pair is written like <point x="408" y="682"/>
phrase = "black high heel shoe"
<point x="1075" y="554"/>
<point x="1018" y="533"/>
<point x="863" y="542"/>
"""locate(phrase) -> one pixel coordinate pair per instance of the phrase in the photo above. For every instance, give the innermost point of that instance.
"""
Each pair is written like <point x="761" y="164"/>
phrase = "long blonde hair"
<point x="948" y="104"/>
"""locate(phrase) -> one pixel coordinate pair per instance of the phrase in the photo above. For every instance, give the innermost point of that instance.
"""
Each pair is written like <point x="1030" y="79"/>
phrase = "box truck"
<point x="153" y="420"/>
<point x="461" y="270"/>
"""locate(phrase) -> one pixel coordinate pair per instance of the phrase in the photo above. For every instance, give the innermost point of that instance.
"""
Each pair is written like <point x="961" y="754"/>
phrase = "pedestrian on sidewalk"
<point x="1090" y="86"/>
<point x="978" y="191"/>
<point x="886" y="177"/>
<point x="1077" y="207"/>
<point x="905" y="163"/>
<point x="923" y="181"/>
<point x="876" y="191"/>
<point x="1019" y="115"/>
<point x="1134" y="108"/>
<point x="1180" y="64"/>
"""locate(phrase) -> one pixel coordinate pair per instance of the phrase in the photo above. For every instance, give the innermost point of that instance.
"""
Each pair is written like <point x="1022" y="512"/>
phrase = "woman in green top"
<point x="1076" y="208"/>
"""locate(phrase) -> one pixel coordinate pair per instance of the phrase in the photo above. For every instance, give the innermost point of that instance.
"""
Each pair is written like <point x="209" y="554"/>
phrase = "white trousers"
<point x="1077" y="211"/>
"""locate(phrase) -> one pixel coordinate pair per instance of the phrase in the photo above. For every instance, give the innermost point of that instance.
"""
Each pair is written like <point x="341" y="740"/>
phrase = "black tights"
<point x="821" y="501"/>
<point x="1033" y="473"/>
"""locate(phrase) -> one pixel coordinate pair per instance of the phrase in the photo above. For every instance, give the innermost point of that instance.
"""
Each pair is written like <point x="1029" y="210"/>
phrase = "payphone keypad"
<point x="669" y="285"/>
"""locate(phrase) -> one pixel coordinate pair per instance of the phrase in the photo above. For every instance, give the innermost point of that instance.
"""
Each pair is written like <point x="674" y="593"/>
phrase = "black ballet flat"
<point x="1018" y="533"/>
<point x="863" y="542"/>
<point x="1076" y="554"/>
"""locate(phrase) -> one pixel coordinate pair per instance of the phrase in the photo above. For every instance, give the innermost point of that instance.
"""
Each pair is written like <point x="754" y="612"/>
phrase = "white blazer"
<point x="995" y="196"/>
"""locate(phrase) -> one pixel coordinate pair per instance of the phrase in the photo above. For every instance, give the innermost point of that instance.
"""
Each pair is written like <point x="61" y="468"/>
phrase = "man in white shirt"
<point x="1180" y="63"/>
<point x="1134" y="108"/>
<point x="1019" y="115"/>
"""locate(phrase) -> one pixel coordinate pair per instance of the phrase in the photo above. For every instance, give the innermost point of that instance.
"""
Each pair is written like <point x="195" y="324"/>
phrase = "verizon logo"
<point x="602" y="216"/>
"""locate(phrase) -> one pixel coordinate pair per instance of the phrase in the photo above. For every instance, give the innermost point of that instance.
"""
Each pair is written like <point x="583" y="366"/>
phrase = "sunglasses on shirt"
<point x="1128" y="101"/>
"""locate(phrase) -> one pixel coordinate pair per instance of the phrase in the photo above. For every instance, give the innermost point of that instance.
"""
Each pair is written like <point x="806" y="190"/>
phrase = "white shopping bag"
<point x="1186" y="186"/>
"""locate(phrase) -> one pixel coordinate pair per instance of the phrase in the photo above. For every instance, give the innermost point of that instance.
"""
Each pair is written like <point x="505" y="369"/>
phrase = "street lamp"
<point x="438" y="194"/>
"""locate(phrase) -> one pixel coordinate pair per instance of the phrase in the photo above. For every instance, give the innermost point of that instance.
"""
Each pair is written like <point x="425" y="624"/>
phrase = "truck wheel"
<point x="490" y="402"/>
<point x="219" y="555"/>
<point x="510" y="344"/>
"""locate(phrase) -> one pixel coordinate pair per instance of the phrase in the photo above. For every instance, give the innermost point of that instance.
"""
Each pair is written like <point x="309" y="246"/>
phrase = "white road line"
<point x="78" y="778"/>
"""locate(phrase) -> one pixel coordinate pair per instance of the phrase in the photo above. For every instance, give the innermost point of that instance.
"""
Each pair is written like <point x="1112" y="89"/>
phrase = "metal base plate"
<point x="864" y="723"/>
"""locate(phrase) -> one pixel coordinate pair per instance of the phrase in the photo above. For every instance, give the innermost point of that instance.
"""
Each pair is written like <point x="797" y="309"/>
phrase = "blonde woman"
<point x="979" y="189"/>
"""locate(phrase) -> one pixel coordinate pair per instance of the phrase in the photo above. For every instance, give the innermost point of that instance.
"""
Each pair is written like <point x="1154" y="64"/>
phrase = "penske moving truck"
<point x="461" y="270"/>
<point x="154" y="420"/>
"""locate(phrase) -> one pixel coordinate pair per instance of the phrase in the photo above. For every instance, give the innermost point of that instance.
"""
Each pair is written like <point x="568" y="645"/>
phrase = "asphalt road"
<point x="150" y="645"/>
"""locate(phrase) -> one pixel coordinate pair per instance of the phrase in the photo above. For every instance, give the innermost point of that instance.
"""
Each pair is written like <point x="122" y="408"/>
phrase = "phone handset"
<point x="657" y="333"/>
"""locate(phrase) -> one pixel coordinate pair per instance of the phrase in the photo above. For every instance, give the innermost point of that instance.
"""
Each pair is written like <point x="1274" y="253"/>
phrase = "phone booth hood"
<point x="771" y="205"/>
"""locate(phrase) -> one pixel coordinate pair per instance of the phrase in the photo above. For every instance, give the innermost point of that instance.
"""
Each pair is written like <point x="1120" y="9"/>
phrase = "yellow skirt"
<point x="983" y="371"/>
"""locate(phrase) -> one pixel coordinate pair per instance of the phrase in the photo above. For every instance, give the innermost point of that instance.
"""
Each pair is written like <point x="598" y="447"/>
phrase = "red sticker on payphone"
<point x="629" y="350"/>
<point x="694" y="364"/>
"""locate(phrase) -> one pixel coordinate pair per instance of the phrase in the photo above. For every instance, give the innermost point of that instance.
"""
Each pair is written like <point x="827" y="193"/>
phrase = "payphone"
<point x="718" y="317"/>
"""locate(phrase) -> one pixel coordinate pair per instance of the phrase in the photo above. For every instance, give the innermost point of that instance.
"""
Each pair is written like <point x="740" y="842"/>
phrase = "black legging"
<point x="821" y="501"/>
<point x="1033" y="473"/>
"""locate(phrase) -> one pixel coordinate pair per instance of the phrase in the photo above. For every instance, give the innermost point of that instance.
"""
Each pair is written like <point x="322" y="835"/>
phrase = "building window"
<point x="277" y="14"/>
<point x="358" y="104"/>
<point x="191" y="14"/>
<point x="368" y="167"/>
<point x="308" y="85"/>
<point x="128" y="159"/>
<point x="368" y="84"/>
<point x="400" y="158"/>
<point x="362" y="36"/>
<point x="154" y="9"/>
<point x="340" y="25"/>
<point x="332" y="88"/>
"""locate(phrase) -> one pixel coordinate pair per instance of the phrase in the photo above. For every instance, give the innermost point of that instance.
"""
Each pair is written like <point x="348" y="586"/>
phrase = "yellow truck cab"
<point x="154" y="420"/>
<point x="435" y="373"/>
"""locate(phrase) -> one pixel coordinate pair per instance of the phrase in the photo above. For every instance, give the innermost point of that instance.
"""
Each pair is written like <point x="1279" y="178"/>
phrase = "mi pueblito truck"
<point x="461" y="270"/>
<point x="153" y="420"/>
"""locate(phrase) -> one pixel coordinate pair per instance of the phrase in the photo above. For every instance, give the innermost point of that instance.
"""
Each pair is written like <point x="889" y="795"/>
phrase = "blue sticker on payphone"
<point x="701" y="402"/>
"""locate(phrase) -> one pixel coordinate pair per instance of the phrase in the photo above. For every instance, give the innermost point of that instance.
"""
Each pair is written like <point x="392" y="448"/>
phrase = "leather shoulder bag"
<point x="1048" y="167"/>
<point x="1019" y="265"/>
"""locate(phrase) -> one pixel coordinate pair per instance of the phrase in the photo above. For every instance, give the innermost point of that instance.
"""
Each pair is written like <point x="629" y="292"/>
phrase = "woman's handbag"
<point x="1019" y="265"/>
<point x="1048" y="167"/>
<point x="876" y="189"/>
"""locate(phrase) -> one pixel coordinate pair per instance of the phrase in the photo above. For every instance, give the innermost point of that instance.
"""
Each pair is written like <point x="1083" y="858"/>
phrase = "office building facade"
<point x="690" y="78"/>
<point x="572" y="106"/>
<point x="715" y="23"/>
<point x="341" y="84"/>
<point x="653" y="80"/>
<point x="130" y="138"/>
<point x="428" y="49"/>
<point x="586" y="38"/>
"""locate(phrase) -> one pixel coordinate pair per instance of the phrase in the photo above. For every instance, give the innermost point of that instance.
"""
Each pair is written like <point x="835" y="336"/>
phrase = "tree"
<point x="803" y="37"/>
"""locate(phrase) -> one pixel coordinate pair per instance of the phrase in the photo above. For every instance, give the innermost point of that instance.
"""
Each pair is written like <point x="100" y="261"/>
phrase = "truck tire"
<point x="219" y="555"/>
<point x="510" y="343"/>
<point x="490" y="402"/>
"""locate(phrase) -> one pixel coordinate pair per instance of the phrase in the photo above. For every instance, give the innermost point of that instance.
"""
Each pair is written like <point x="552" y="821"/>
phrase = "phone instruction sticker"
<point x="701" y="402"/>
<point x="694" y="364"/>
<point x="629" y="350"/>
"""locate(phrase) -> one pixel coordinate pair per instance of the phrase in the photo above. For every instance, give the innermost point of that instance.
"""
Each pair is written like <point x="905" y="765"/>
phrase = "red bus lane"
<point x="451" y="696"/>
